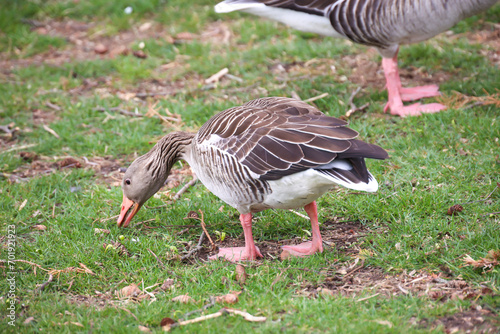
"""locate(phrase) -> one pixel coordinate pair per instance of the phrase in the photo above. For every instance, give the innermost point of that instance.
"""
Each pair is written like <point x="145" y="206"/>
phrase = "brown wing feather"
<point x="278" y="136"/>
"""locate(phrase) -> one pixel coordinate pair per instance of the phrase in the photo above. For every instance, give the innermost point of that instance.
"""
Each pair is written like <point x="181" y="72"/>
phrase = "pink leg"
<point x="249" y="252"/>
<point x="398" y="94"/>
<point x="308" y="248"/>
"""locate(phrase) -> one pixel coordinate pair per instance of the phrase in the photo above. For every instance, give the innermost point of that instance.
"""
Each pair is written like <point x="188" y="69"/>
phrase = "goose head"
<point x="148" y="173"/>
<point x="138" y="185"/>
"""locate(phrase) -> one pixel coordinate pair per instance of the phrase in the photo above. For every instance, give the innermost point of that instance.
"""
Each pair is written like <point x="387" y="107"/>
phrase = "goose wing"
<point x="275" y="137"/>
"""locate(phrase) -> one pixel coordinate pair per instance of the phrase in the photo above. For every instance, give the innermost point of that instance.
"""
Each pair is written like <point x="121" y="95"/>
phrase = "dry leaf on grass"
<point x="185" y="299"/>
<point x="82" y="270"/>
<point x="230" y="298"/>
<point x="39" y="227"/>
<point x="452" y="210"/>
<point x="167" y="284"/>
<point x="69" y="162"/>
<point x="28" y="156"/>
<point x="28" y="320"/>
<point x="488" y="262"/>
<point x="130" y="291"/>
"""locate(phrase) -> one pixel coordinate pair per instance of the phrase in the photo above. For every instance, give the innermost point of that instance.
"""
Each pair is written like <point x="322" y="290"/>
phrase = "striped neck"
<point x="166" y="153"/>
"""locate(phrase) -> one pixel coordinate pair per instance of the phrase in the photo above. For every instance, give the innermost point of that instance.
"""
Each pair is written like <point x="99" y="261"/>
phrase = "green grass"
<point x="436" y="161"/>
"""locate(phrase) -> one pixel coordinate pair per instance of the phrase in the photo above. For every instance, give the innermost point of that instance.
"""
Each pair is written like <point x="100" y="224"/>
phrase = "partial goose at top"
<point x="383" y="24"/>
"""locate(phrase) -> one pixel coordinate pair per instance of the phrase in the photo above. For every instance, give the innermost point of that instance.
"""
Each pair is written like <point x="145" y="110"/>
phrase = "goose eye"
<point x="127" y="181"/>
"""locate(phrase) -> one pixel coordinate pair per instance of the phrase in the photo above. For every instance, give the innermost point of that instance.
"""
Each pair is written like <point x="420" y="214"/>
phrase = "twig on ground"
<point x="352" y="106"/>
<point x="299" y="214"/>
<point x="195" y="249"/>
<point x="217" y="76"/>
<point x="129" y="312"/>
<point x="52" y="132"/>
<point x="106" y="219"/>
<point x="22" y="147"/>
<point x="295" y="95"/>
<point x="202" y="221"/>
<point x="245" y="315"/>
<point x="144" y="221"/>
<point x="222" y="311"/>
<point x="145" y="290"/>
<point x="314" y="98"/>
<point x="366" y="298"/>
<point x="352" y="111"/>
<point x="234" y="77"/>
<point x="157" y="259"/>
<point x="351" y="98"/>
<point x="53" y="106"/>
<point x="184" y="188"/>
<point x="354" y="270"/>
<point x="44" y="284"/>
<point x="487" y="197"/>
<point x="7" y="129"/>
<point x="206" y="306"/>
<point x="120" y="110"/>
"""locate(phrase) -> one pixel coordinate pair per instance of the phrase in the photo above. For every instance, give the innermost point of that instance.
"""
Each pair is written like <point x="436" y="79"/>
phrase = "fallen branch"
<point x="195" y="249"/>
<point x="44" y="284"/>
<point x="354" y="270"/>
<point x="351" y="98"/>
<point x="352" y="106"/>
<point x="314" y="98"/>
<point x="52" y="132"/>
<point x="120" y="110"/>
<point x="222" y="311"/>
<point x="210" y="304"/>
<point x="53" y="106"/>
<point x="106" y="219"/>
<point x="184" y="188"/>
<point x="129" y="312"/>
<point x="157" y="259"/>
<point x="487" y="197"/>
<point x="205" y="229"/>
<point x="245" y="315"/>
<point x="366" y="298"/>
<point x="217" y="76"/>
<point x="299" y="214"/>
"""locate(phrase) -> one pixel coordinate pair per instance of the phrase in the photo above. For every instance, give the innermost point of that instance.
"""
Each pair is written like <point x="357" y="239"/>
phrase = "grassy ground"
<point x="394" y="260"/>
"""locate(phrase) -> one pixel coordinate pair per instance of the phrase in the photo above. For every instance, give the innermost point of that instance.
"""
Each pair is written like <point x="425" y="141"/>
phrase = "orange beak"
<point x="128" y="211"/>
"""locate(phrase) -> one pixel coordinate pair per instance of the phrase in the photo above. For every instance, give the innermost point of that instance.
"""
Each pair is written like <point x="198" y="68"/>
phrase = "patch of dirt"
<point x="365" y="71"/>
<point x="87" y="42"/>
<point x="477" y="321"/>
<point x="489" y="37"/>
<point x="107" y="168"/>
<point x="339" y="235"/>
<point x="351" y="281"/>
<point x="41" y="116"/>
<point x="99" y="302"/>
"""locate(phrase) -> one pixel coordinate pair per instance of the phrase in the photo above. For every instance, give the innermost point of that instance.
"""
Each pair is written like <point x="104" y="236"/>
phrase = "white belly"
<point x="295" y="191"/>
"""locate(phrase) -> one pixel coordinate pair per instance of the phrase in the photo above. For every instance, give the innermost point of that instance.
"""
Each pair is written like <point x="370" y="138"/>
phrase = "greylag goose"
<point x="268" y="153"/>
<point x="383" y="24"/>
